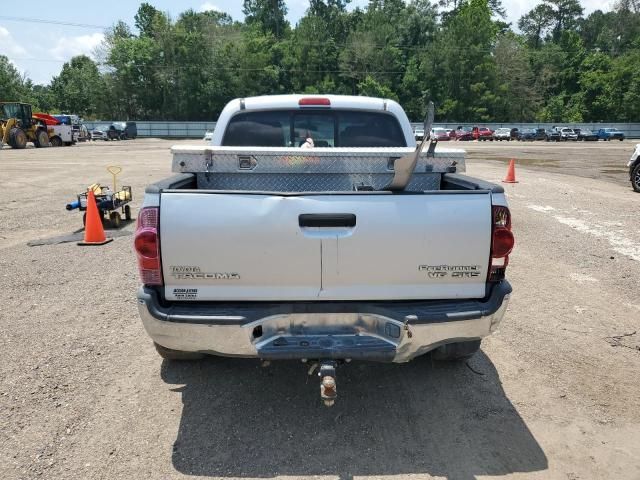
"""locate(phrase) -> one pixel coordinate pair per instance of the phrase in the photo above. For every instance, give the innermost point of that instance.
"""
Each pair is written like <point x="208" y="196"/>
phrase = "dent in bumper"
<point x="323" y="335"/>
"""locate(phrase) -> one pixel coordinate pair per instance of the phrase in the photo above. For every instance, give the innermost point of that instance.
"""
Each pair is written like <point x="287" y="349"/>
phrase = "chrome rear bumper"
<point x="380" y="331"/>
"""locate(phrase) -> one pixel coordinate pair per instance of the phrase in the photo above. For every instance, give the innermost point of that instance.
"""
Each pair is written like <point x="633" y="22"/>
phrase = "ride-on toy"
<point x="108" y="200"/>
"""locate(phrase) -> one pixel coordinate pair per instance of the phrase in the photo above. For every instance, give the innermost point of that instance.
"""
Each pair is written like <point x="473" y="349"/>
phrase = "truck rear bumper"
<point x="381" y="331"/>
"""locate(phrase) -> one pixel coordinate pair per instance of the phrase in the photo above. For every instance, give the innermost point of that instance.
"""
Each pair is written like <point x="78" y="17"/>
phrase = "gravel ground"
<point x="553" y="395"/>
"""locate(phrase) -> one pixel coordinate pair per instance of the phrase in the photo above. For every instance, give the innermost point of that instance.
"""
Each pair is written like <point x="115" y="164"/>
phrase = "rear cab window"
<point x="327" y="128"/>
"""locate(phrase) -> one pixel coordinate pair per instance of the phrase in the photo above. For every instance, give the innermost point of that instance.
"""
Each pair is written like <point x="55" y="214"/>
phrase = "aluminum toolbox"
<point x="308" y="170"/>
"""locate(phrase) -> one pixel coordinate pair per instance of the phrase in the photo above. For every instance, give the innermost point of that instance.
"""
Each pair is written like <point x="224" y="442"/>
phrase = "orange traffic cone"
<point x="93" y="231"/>
<point x="511" y="173"/>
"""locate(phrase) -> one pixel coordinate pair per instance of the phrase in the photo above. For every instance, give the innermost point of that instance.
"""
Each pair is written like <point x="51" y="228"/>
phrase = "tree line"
<point x="557" y="66"/>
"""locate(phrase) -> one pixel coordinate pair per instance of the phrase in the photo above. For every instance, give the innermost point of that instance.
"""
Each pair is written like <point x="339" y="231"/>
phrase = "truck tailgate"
<point x="362" y="246"/>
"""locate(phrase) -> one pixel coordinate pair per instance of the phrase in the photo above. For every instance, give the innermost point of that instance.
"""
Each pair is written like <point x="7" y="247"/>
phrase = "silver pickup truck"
<point x="314" y="228"/>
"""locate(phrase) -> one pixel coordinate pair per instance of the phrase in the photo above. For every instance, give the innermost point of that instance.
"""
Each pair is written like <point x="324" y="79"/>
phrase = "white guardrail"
<point x="197" y="129"/>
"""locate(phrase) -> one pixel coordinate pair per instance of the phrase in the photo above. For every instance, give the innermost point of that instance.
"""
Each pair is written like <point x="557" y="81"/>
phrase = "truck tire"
<point x="56" y="141"/>
<point x="116" y="219"/>
<point x="635" y="178"/>
<point x="170" y="354"/>
<point x="17" y="138"/>
<point x="456" y="351"/>
<point x="42" y="139"/>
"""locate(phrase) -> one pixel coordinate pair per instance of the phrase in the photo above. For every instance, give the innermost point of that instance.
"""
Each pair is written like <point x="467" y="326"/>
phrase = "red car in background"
<point x="461" y="133"/>
<point x="482" y="133"/>
<point x="440" y="134"/>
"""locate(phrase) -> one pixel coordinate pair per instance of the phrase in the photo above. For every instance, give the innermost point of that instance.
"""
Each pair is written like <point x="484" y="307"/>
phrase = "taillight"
<point x="502" y="242"/>
<point x="314" y="102"/>
<point x="147" y="245"/>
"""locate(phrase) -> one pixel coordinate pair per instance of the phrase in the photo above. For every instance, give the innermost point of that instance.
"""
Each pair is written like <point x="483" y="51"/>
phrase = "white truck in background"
<point x="362" y="247"/>
<point x="60" y="135"/>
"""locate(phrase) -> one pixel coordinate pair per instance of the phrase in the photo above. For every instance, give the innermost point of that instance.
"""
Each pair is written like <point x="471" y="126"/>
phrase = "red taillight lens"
<point x="146" y="243"/>
<point x="314" y="101"/>
<point x="147" y="246"/>
<point x="502" y="242"/>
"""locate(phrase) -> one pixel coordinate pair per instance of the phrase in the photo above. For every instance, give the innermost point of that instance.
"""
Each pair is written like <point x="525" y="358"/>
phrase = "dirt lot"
<point x="554" y="395"/>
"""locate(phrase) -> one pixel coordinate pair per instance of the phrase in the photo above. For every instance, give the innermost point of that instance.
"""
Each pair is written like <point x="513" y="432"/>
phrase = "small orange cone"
<point x="511" y="173"/>
<point x="93" y="231"/>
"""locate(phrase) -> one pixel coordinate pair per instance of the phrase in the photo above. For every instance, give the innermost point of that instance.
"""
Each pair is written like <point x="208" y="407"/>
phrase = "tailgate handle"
<point x="327" y="220"/>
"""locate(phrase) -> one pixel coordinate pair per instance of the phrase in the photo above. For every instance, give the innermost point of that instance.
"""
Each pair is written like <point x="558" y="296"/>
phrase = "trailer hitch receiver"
<point x="328" y="391"/>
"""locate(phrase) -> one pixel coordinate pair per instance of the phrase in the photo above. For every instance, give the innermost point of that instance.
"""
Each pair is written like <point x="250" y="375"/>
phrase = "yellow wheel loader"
<point x="17" y="126"/>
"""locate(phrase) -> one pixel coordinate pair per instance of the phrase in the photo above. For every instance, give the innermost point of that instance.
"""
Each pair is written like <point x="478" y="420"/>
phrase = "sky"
<point x="39" y="50"/>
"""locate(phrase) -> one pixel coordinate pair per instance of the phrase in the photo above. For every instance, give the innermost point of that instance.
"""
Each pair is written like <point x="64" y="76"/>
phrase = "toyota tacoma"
<point x="314" y="228"/>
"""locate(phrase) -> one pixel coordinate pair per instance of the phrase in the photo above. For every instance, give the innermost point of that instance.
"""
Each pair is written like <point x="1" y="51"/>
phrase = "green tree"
<point x="12" y="84"/>
<point x="79" y="87"/>
<point x="269" y="15"/>
<point x="517" y="98"/>
<point x="459" y="68"/>
<point x="43" y="98"/>
<point x="370" y="87"/>
<point x="565" y="15"/>
<point x="146" y="18"/>
<point x="535" y="23"/>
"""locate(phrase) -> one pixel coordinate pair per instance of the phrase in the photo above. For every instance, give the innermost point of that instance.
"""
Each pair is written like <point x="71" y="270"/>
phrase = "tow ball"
<point x="328" y="391"/>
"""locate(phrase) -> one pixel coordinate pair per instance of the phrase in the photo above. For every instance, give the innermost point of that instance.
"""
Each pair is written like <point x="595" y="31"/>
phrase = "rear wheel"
<point x="42" y="139"/>
<point x="116" y="219"/>
<point x="456" y="351"/>
<point x="56" y="142"/>
<point x="84" y="218"/>
<point x="17" y="138"/>
<point x="127" y="212"/>
<point x="635" y="178"/>
<point x="170" y="354"/>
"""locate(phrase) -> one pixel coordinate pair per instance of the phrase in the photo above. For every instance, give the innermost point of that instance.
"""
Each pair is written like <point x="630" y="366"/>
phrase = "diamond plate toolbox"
<point x="318" y="169"/>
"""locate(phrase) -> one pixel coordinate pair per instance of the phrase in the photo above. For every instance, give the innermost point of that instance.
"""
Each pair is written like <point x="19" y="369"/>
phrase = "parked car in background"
<point x="115" y="131"/>
<point x="552" y="135"/>
<point x="461" y="133"/>
<point x="129" y="130"/>
<point x="567" y="134"/>
<point x="607" y="134"/>
<point x="526" y="134"/>
<point x="106" y="132"/>
<point x="634" y="168"/>
<point x="84" y="134"/>
<point x="440" y="134"/>
<point x="502" y="134"/>
<point x="586" y="135"/>
<point x="514" y="133"/>
<point x="208" y="135"/>
<point x="120" y="128"/>
<point x="482" y="134"/>
<point x="99" y="132"/>
<point x="132" y="130"/>
<point x="541" y="133"/>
